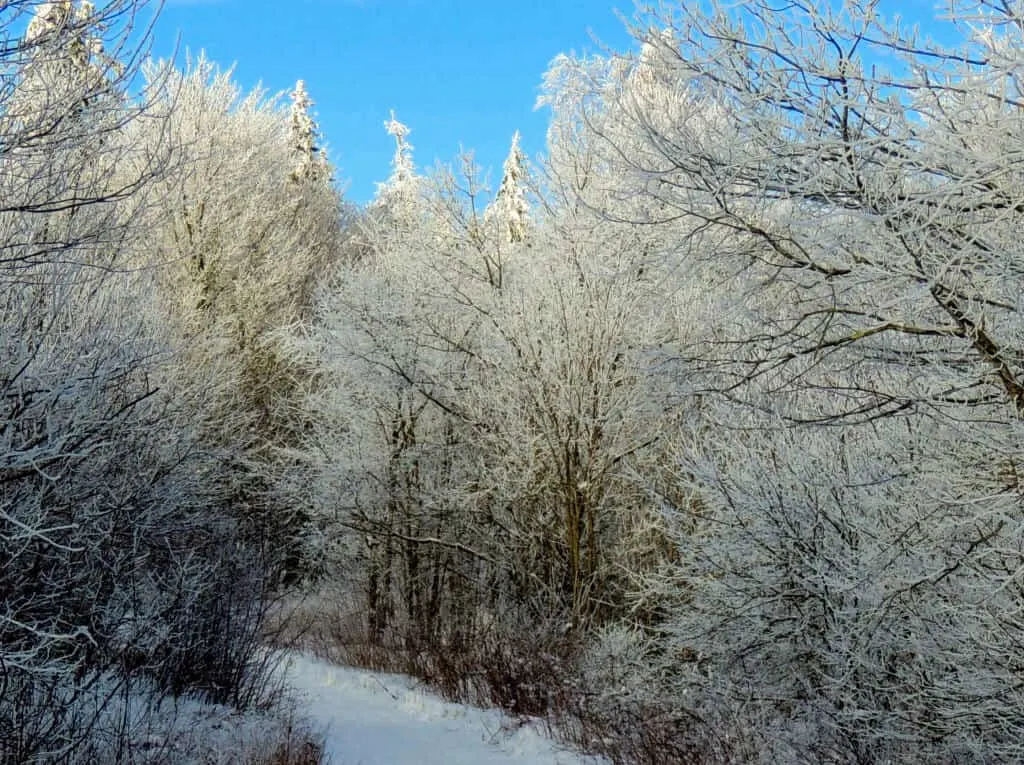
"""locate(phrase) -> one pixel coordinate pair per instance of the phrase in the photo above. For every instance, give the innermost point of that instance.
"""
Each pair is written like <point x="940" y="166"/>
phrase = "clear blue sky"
<point x="458" y="72"/>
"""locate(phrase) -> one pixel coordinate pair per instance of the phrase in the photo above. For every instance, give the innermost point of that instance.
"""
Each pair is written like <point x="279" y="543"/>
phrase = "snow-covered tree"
<point x="310" y="159"/>
<point x="63" y="113"/>
<point x="251" y="240"/>
<point x="483" y="420"/>
<point x="403" y="170"/>
<point x="66" y="57"/>
<point x="397" y="205"/>
<point x="845" y="195"/>
<point x="242" y="247"/>
<point x="510" y="210"/>
<point x="120" y="556"/>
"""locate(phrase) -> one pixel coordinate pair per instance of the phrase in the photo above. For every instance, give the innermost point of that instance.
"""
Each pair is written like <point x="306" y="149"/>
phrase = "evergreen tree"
<point x="510" y="211"/>
<point x="66" y="67"/>
<point x="398" y="197"/>
<point x="311" y="162"/>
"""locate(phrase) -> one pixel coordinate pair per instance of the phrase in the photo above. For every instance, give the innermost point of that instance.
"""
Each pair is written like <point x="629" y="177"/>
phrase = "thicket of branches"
<point x="138" y="551"/>
<point x="719" y="406"/>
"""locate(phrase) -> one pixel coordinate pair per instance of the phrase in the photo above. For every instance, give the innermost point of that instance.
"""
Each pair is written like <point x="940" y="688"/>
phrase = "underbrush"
<point x="633" y="731"/>
<point x="208" y="693"/>
<point x="118" y="721"/>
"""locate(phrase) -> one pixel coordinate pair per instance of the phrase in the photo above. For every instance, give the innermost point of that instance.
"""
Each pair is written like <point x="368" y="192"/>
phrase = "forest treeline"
<point x="698" y="434"/>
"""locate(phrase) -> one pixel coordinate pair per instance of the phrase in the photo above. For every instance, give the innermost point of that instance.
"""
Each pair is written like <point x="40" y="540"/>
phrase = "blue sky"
<point x="458" y="72"/>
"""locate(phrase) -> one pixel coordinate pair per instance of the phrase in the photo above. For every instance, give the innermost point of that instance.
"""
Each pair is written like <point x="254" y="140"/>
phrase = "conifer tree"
<point x="402" y="167"/>
<point x="311" y="162"/>
<point x="397" y="197"/>
<point x="66" y="59"/>
<point x="510" y="211"/>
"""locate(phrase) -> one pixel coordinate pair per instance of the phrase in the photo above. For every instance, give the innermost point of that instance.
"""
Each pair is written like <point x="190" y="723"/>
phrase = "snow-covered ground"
<point x="371" y="718"/>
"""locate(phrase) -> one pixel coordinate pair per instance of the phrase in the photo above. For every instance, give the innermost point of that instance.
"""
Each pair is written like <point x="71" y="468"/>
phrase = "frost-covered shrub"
<point x="73" y="718"/>
<point x="124" y="555"/>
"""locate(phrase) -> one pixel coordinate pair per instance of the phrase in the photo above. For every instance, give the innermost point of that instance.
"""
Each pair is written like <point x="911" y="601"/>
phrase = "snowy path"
<point x="371" y="718"/>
